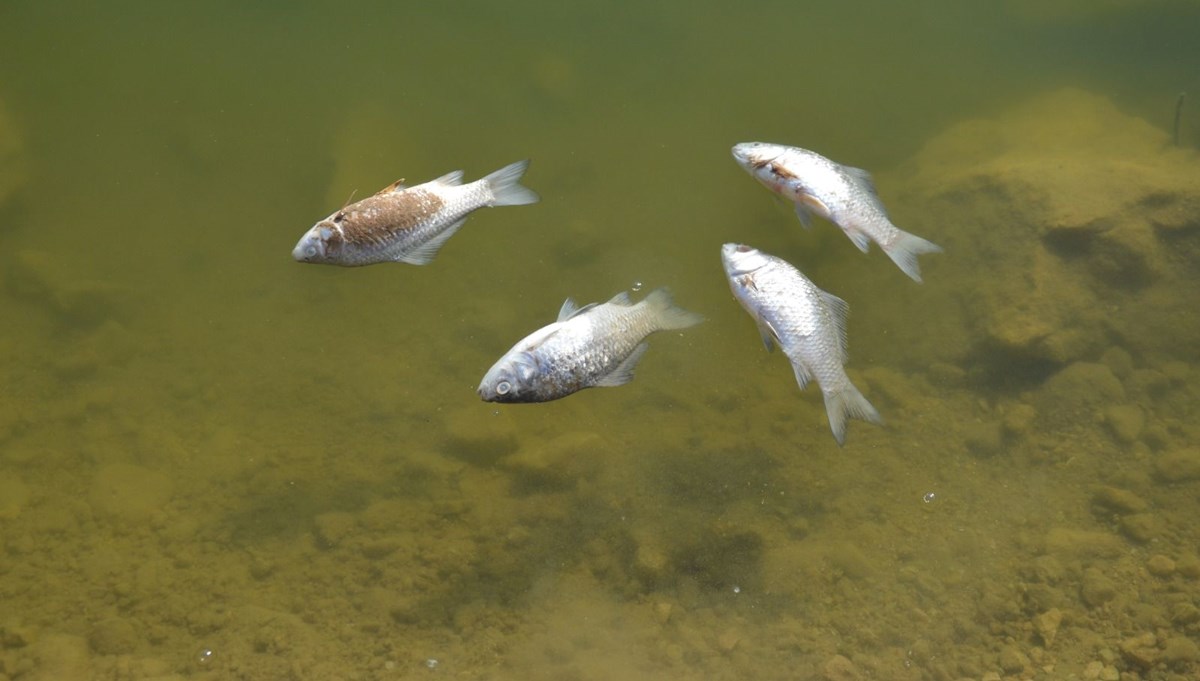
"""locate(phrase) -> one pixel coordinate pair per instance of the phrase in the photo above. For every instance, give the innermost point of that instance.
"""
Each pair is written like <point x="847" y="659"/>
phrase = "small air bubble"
<point x="929" y="497"/>
<point x="737" y="589"/>
<point x="432" y="663"/>
<point x="637" y="286"/>
<point x="205" y="655"/>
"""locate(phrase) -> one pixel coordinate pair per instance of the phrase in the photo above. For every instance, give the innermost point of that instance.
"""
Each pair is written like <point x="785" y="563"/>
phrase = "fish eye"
<point x="310" y="251"/>
<point x="341" y="215"/>
<point x="743" y="248"/>
<point x="503" y="387"/>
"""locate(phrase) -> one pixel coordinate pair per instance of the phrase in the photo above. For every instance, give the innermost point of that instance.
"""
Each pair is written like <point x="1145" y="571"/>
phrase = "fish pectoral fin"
<point x="421" y="255"/>
<point x="813" y="204"/>
<point x="624" y="371"/>
<point x="770" y="337"/>
<point x="803" y="376"/>
<point x="805" y="215"/>
<point x="860" y="239"/>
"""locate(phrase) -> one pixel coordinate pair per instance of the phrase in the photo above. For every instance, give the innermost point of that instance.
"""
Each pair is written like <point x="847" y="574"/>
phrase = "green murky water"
<point x="216" y="463"/>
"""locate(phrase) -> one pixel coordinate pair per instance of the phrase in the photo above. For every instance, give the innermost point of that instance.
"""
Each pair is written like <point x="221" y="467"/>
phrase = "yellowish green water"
<point x="216" y="463"/>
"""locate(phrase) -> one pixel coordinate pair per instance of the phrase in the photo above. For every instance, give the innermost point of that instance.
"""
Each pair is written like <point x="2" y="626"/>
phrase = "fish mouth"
<point x="731" y="258"/>
<point x="746" y="154"/>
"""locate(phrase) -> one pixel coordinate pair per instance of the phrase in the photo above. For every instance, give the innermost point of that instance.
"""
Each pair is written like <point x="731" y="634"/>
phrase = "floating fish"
<point x="597" y="345"/>
<point x="806" y="322"/>
<point x="841" y="194"/>
<point x="408" y="224"/>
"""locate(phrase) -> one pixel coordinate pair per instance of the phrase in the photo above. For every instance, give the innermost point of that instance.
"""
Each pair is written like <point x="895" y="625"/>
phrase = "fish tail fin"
<point x="666" y="314"/>
<point x="904" y="251"/>
<point x="506" y="187"/>
<point x="848" y="402"/>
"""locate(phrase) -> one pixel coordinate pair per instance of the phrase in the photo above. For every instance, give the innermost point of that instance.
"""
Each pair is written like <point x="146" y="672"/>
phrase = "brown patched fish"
<point x="841" y="194"/>
<point x="408" y="224"/>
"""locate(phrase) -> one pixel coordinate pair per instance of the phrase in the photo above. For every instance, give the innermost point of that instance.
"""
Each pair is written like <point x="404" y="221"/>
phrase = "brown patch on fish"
<point x="781" y="172"/>
<point x="747" y="281"/>
<point x="380" y="218"/>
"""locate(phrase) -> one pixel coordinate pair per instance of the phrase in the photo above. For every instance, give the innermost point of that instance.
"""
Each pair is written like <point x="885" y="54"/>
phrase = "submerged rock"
<point x="1084" y="227"/>
<point x="74" y="299"/>
<point x="1076" y="394"/>
<point x="558" y="463"/>
<point x="1125" y="421"/>
<point x="1178" y="465"/>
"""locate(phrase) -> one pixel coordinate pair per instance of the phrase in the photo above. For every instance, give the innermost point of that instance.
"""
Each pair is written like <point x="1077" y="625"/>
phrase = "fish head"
<point x="741" y="260"/>
<point x="511" y="379"/>
<point x="322" y="243"/>
<point x="754" y="156"/>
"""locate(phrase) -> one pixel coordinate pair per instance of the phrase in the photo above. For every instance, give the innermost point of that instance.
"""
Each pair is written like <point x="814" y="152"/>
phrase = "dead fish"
<point x="806" y="322"/>
<point x="841" y="194"/>
<point x="597" y="345"/>
<point x="408" y="224"/>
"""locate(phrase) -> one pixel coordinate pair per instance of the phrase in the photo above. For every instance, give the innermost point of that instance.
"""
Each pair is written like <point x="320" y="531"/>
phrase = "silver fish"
<point x="806" y="322"/>
<point x="408" y="224"/>
<point x="841" y="194"/>
<point x="597" y="345"/>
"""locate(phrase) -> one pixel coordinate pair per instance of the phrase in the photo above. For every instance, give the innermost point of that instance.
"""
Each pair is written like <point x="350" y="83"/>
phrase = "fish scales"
<point x="594" y="346"/>
<point x="408" y="224"/>
<point x="807" y="323"/>
<point x="842" y="194"/>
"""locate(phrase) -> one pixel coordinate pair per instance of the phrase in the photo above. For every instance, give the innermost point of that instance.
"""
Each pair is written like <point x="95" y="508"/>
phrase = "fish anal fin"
<point x="624" y="371"/>
<point x="421" y="255"/>
<point x="803" y="375"/>
<point x="860" y="239"/>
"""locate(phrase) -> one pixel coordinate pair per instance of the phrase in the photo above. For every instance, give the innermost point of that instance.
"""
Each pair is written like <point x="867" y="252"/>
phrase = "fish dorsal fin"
<point x="862" y="177"/>
<point x="570" y="309"/>
<point x="422" y="254"/>
<point x="624" y="371"/>
<point x="621" y="299"/>
<point x="451" y="179"/>
<point x="838" y="311"/>
<point x="396" y="186"/>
